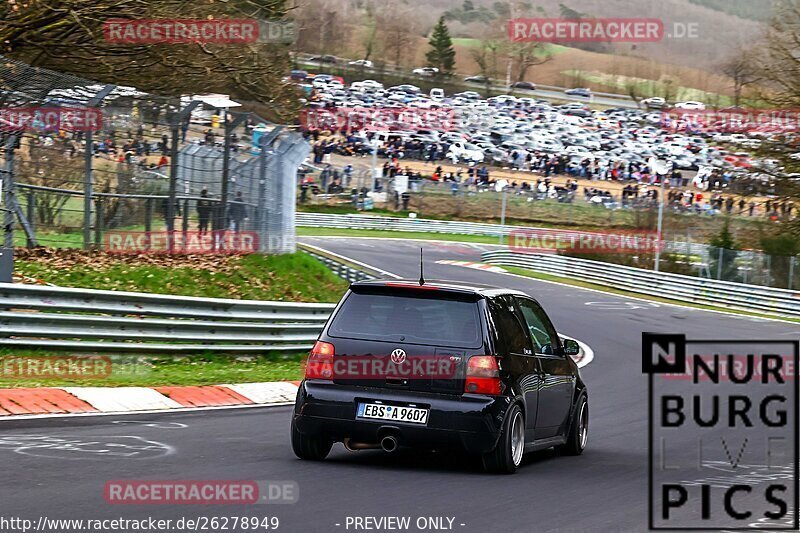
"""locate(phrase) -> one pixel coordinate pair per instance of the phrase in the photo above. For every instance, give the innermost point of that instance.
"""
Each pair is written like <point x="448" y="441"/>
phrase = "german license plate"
<point x="378" y="411"/>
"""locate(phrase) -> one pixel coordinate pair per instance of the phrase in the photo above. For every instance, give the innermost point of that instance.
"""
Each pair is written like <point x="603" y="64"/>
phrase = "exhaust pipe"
<point x="389" y="444"/>
<point x="355" y="446"/>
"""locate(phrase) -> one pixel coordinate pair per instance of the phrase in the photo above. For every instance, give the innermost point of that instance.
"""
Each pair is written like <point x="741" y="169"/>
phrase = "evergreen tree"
<point x="442" y="55"/>
<point x="722" y="253"/>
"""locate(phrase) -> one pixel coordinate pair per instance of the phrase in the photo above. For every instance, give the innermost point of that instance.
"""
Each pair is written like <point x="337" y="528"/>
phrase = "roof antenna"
<point x="421" y="277"/>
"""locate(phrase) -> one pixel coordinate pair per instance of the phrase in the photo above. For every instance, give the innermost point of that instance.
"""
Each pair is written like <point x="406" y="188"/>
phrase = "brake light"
<point x="483" y="375"/>
<point x="320" y="361"/>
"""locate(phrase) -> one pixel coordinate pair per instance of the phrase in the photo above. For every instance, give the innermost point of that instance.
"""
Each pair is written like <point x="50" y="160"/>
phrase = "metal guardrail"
<point x="452" y="227"/>
<point x="723" y="294"/>
<point x="114" y="321"/>
<point x="343" y="268"/>
<point x="63" y="318"/>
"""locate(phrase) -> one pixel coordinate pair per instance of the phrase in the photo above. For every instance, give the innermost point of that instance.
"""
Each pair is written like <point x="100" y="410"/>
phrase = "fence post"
<point x="719" y="265"/>
<point x="185" y="222"/>
<point x="148" y="221"/>
<point x="98" y="223"/>
<point x="8" y="222"/>
<point x="769" y="271"/>
<point x="88" y="179"/>
<point x="31" y="208"/>
<point x="222" y="215"/>
<point x="263" y="222"/>
<point x="177" y="119"/>
<point x="688" y="248"/>
<point x="503" y="215"/>
<point x="87" y="190"/>
<point x="260" y="217"/>
<point x="791" y="271"/>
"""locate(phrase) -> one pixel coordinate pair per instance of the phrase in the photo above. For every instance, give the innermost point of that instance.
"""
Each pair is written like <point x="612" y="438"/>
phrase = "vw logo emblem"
<point x="398" y="356"/>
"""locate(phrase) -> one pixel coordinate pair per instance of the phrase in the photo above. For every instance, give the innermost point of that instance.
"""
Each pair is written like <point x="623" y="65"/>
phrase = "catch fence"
<point x="86" y="164"/>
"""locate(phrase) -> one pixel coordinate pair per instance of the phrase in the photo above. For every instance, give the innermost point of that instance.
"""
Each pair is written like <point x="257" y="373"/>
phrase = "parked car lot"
<point x="494" y="129"/>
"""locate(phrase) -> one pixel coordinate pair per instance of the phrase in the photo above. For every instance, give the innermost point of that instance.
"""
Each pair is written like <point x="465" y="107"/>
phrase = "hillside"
<point x="679" y="66"/>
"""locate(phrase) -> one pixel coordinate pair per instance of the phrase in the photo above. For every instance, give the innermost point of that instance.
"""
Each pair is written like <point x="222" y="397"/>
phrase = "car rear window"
<point x="415" y="319"/>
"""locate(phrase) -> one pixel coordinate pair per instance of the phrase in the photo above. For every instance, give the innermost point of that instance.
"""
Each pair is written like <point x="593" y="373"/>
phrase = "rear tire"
<point x="578" y="434"/>
<point x="507" y="455"/>
<point x="309" y="448"/>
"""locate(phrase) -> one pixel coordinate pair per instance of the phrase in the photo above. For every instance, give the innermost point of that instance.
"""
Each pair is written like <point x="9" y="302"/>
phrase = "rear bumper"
<point x="468" y="422"/>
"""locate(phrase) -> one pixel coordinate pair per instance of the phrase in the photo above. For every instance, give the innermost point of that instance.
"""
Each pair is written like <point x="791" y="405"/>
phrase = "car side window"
<point x="543" y="336"/>
<point x="511" y="331"/>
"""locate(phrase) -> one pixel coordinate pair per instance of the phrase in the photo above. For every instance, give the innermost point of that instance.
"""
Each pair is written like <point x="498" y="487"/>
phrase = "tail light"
<point x="320" y="361"/>
<point x="483" y="375"/>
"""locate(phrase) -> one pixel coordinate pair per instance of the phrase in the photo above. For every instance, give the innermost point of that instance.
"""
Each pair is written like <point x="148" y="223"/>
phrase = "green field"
<point x="160" y="370"/>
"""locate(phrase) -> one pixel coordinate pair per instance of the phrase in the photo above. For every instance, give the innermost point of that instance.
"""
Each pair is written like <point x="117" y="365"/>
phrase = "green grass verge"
<point x="297" y="277"/>
<point x="568" y="281"/>
<point x="152" y="371"/>
<point x="418" y="235"/>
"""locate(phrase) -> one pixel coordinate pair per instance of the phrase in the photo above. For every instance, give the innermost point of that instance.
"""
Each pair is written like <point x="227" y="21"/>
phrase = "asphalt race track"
<point x="603" y="490"/>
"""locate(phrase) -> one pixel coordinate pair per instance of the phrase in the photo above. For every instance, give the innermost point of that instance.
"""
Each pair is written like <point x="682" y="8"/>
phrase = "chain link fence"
<point x="110" y="167"/>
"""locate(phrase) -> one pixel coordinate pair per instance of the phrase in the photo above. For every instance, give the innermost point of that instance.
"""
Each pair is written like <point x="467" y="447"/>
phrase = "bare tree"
<point x="395" y="27"/>
<point x="485" y="56"/>
<point x="68" y="36"/>
<point x="527" y="55"/>
<point x="740" y="68"/>
<point x="369" y="35"/>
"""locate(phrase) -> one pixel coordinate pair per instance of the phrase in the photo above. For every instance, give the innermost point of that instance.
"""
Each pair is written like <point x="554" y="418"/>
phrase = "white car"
<point x="437" y="93"/>
<point x="690" y="105"/>
<point x="655" y="102"/>
<point x="462" y="151"/>
<point x="425" y="71"/>
<point x="364" y="63"/>
<point x="370" y="85"/>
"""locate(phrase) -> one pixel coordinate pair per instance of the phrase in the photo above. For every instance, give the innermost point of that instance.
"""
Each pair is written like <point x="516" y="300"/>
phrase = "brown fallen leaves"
<point x="65" y="258"/>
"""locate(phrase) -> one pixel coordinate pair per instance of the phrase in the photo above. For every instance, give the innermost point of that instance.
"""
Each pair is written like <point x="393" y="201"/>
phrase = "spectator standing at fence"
<point x="204" y="209"/>
<point x="184" y="130"/>
<point x="164" y="145"/>
<point x="348" y="174"/>
<point x="323" y="177"/>
<point x="176" y="212"/>
<point x="237" y="212"/>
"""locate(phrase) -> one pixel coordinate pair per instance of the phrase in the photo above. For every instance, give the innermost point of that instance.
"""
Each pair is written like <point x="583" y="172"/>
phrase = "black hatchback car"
<point x="441" y="366"/>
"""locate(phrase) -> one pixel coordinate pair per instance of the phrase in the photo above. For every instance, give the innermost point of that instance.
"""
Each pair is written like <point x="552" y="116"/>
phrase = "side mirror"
<point x="571" y="347"/>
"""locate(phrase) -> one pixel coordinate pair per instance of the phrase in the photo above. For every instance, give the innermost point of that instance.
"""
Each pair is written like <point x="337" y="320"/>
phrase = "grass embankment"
<point x="296" y="277"/>
<point x="156" y="370"/>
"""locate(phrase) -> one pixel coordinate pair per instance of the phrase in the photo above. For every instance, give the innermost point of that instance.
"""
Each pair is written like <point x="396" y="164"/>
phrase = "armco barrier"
<point x="60" y="318"/>
<point x="738" y="296"/>
<point x="452" y="227"/>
